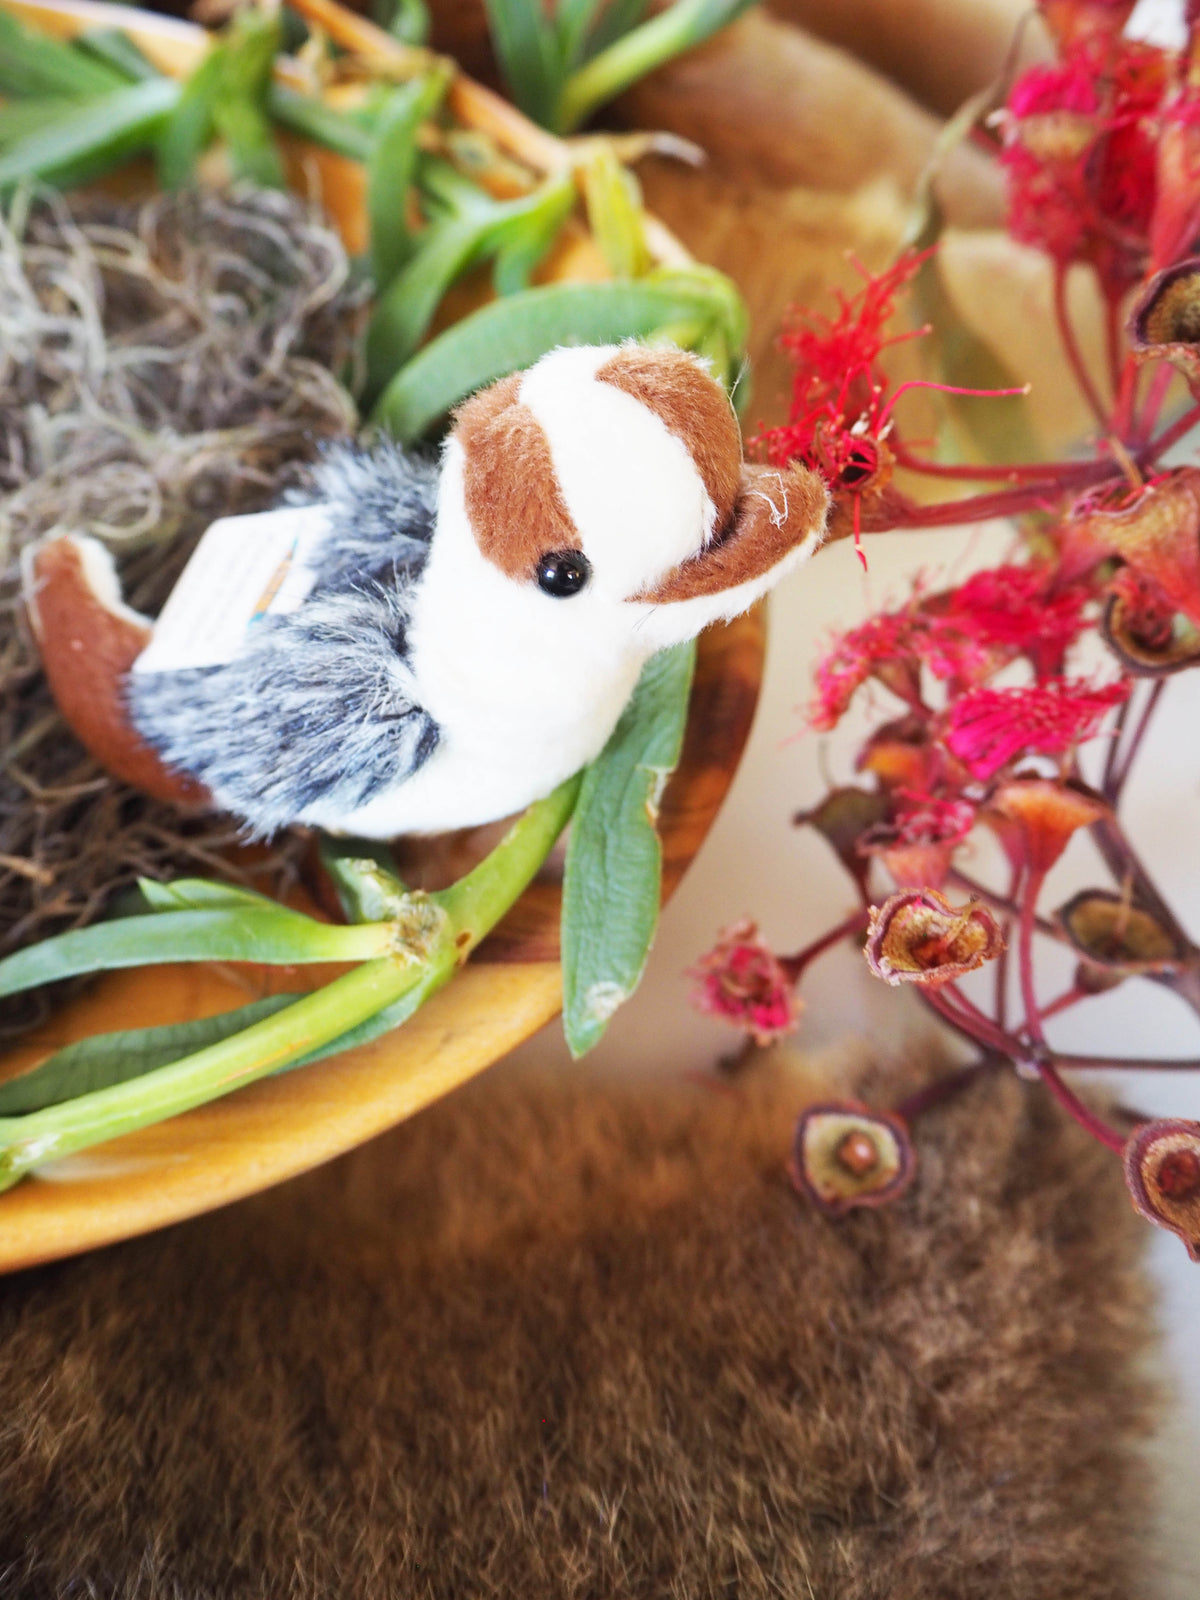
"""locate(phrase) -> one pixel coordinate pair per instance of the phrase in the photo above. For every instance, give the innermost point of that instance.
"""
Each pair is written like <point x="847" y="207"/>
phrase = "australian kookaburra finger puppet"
<point x="428" y="646"/>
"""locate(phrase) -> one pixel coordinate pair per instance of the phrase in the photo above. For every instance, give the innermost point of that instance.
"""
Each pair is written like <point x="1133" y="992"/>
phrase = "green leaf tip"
<point x="613" y="881"/>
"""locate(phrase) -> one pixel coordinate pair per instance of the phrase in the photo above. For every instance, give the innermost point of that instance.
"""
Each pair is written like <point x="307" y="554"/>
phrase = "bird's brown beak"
<point x="775" y="511"/>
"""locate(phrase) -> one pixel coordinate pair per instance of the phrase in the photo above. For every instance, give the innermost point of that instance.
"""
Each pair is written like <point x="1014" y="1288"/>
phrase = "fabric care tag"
<point x="243" y="569"/>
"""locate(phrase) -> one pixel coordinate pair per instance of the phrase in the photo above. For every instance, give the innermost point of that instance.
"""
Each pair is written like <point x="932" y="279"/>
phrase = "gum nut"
<point x="845" y="1155"/>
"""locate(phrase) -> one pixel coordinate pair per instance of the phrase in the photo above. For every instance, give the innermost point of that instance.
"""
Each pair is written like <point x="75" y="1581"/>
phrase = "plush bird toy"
<point x="424" y="647"/>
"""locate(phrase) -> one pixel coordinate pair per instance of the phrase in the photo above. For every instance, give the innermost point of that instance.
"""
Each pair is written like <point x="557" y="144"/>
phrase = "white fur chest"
<point x="525" y="688"/>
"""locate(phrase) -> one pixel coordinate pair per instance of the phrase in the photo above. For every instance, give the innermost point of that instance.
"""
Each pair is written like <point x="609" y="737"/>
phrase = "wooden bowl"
<point x="282" y="1126"/>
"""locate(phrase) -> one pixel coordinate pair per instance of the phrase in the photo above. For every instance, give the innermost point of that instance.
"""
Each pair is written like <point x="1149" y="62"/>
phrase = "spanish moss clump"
<point x="161" y="364"/>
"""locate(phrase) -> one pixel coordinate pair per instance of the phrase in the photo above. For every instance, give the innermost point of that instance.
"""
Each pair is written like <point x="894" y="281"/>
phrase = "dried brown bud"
<point x="917" y="936"/>
<point x="1045" y="815"/>
<point x="1162" y="1169"/>
<point x="902" y="755"/>
<point x="1165" y="319"/>
<point x="1091" y="979"/>
<point x="842" y="818"/>
<point x="1116" y="935"/>
<point x="1157" y="531"/>
<point x="845" y="1155"/>
<point x="912" y="866"/>
<point x="1144" y="631"/>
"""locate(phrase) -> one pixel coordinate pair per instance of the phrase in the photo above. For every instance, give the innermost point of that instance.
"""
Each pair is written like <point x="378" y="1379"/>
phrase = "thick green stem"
<point x="476" y="903"/>
<point x="431" y="938"/>
<point x="254" y="1053"/>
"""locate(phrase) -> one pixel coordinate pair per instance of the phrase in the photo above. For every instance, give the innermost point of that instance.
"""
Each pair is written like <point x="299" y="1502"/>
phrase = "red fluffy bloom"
<point x="987" y="728"/>
<point x="931" y="819"/>
<point x="838" y="420"/>
<point x="918" y="842"/>
<point x="1004" y="612"/>
<point x="1081" y="142"/>
<point x="1175" y="224"/>
<point x="742" y="980"/>
<point x="962" y="636"/>
<point x="883" y="647"/>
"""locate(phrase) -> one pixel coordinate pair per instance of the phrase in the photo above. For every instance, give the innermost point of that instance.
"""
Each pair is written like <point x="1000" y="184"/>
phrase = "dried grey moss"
<point x="162" y="363"/>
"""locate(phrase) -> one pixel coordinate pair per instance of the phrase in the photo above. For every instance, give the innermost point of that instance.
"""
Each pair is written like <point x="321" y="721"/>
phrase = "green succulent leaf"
<point x="410" y="22"/>
<point x="117" y="50"/>
<point x="574" y="21"/>
<point x="614" y="208"/>
<point x="631" y="56"/>
<point x="94" y="138"/>
<point x="19" y="118"/>
<point x="443" y="253"/>
<point x="229" y="94"/>
<point x="109" y="1058"/>
<point x="613" y="882"/>
<point x="346" y="133"/>
<point x="616" y="19"/>
<point x="270" y="934"/>
<point x="391" y="168"/>
<point x="514" y="332"/>
<point x="364" y="874"/>
<point x="199" y="894"/>
<point x="376" y="995"/>
<point x="526" y="42"/>
<point x="34" y="66"/>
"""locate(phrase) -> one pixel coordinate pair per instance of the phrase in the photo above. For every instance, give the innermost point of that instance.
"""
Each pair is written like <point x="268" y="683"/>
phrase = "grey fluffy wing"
<point x="382" y="504"/>
<point x="321" y="709"/>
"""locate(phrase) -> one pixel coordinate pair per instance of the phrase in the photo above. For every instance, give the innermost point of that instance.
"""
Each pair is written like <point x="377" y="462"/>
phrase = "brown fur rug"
<point x="575" y="1340"/>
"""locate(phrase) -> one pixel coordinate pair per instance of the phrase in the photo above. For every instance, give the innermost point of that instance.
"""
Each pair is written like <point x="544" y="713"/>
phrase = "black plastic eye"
<point x="563" y="572"/>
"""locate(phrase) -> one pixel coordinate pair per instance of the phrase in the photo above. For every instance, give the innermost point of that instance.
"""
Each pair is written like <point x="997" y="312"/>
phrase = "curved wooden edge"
<point x="724" y="698"/>
<point x="276" y="1129"/>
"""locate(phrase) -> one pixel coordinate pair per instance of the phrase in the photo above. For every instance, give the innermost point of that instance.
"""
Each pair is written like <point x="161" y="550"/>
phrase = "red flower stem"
<point x="1118" y="368"/>
<point x="966" y="1005"/>
<point x="1181" y="426"/>
<point x="1156" y="394"/>
<point x="976" y="1028"/>
<point x="1082" y="1114"/>
<point x="1001" y="970"/>
<point x="1108" y="781"/>
<point x="1124" y="864"/>
<point x="944" y="388"/>
<point x="1070" y="1102"/>
<point x="1124" y="1064"/>
<point x="794" y="965"/>
<point x="1074" y="355"/>
<point x="1026" y="922"/>
<point x="1064" y="1002"/>
<point x="945" y="1088"/>
<point x="1003" y="903"/>
<point x="1010" y="474"/>
<point x="1038" y="496"/>
<point x="1120" y="778"/>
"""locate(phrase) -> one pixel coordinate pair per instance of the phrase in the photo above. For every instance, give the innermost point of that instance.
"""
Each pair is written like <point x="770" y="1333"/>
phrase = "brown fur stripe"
<point x="692" y="406"/>
<point x="513" y="499"/>
<point x="754" y="542"/>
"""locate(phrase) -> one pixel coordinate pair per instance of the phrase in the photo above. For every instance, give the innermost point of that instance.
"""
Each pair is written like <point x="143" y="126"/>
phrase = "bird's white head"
<point x="608" y="483"/>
